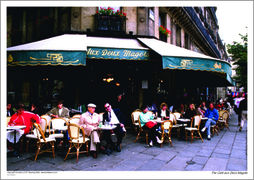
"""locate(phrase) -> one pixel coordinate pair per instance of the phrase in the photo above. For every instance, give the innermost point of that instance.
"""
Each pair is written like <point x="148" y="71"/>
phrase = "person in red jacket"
<point x="22" y="117"/>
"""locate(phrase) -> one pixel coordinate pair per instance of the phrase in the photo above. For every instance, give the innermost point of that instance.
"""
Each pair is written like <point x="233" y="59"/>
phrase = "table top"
<point x="183" y="119"/>
<point x="103" y="127"/>
<point x="205" y="118"/>
<point x="15" y="127"/>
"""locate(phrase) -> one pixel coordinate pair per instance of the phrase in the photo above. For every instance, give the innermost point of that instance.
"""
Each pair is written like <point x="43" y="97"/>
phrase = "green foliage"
<point x="238" y="52"/>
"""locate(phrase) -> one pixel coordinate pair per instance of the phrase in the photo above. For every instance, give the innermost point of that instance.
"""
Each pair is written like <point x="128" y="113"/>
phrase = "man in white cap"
<point x="90" y="121"/>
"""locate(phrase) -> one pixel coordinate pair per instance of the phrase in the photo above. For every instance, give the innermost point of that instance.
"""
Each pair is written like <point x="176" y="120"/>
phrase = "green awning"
<point x="190" y="63"/>
<point x="60" y="50"/>
<point x="174" y="57"/>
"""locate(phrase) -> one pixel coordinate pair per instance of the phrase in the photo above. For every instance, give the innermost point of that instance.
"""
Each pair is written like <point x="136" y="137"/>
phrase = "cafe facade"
<point x="92" y="61"/>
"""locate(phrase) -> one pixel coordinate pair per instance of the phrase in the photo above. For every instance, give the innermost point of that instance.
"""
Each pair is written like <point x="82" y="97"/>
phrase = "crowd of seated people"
<point x="90" y="121"/>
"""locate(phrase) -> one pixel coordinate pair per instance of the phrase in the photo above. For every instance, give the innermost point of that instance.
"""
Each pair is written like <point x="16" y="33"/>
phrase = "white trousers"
<point x="94" y="139"/>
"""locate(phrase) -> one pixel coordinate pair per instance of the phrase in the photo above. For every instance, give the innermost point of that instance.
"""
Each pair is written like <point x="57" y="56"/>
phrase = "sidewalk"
<point x="226" y="152"/>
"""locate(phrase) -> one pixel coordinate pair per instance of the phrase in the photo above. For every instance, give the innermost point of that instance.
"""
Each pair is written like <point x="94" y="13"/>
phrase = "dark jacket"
<point x="167" y="113"/>
<point x="189" y="113"/>
<point x="118" y="114"/>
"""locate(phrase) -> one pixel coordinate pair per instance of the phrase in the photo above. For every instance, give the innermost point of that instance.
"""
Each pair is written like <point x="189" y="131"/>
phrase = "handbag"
<point x="150" y="124"/>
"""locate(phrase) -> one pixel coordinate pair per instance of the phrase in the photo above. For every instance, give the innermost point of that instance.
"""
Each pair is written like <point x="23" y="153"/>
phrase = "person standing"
<point x="59" y="111"/>
<point x="213" y="116"/>
<point x="243" y="111"/>
<point x="89" y="121"/>
<point x="114" y="116"/>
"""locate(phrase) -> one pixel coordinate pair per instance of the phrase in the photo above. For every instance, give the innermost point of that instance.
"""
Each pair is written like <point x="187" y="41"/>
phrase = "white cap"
<point x="91" y="105"/>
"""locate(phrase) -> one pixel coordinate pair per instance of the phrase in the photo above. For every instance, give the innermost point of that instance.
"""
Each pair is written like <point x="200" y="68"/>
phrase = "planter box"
<point x="163" y="37"/>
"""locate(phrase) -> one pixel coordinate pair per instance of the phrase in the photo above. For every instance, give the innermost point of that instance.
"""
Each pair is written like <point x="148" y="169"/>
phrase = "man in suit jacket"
<point x="59" y="111"/>
<point x="114" y="116"/>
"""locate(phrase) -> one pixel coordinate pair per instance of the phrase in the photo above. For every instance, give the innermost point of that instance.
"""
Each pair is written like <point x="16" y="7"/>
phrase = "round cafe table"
<point x="14" y="129"/>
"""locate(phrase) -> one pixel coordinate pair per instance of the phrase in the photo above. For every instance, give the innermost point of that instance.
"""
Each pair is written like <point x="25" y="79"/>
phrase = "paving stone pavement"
<point x="225" y="152"/>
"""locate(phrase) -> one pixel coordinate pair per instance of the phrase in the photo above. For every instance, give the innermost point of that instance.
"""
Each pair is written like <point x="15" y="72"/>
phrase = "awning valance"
<point x="60" y="50"/>
<point x="174" y="57"/>
<point x="116" y="48"/>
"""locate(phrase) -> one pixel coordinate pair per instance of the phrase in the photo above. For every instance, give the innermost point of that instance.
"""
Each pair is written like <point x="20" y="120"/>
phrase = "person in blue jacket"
<point x="213" y="116"/>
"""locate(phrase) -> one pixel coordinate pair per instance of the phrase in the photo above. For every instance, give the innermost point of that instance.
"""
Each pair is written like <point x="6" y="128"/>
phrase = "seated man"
<point x="213" y="116"/>
<point x="59" y="111"/>
<point x="89" y="121"/>
<point x="114" y="116"/>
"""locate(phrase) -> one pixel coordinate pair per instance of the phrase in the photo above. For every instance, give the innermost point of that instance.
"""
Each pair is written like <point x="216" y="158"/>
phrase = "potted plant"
<point x="165" y="31"/>
<point x="106" y="12"/>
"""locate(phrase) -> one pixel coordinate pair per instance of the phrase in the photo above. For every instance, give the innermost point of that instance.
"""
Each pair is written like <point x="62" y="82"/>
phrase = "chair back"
<point x="38" y="132"/>
<point x="135" y="116"/>
<point x="47" y="117"/>
<point x="167" y="125"/>
<point x="101" y="116"/>
<point x="221" y="113"/>
<point x="74" y="131"/>
<point x="172" y="117"/>
<point x="8" y="119"/>
<point x="74" y="120"/>
<point x="76" y="116"/>
<point x="177" y="115"/>
<point x="43" y="125"/>
<point x="225" y="116"/>
<point x="140" y="127"/>
<point x="196" y="121"/>
<point x="57" y="122"/>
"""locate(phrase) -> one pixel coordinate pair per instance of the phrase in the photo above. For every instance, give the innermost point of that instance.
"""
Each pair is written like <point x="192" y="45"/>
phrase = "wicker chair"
<point x="77" y="141"/>
<point x="223" y="120"/>
<point x="134" y="117"/>
<point x="195" y="123"/>
<point x="41" y="141"/>
<point x="33" y="134"/>
<point x="141" y="131"/>
<point x="166" y="127"/>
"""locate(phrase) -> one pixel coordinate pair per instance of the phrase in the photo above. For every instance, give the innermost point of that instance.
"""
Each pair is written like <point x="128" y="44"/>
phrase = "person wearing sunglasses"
<point x="114" y="117"/>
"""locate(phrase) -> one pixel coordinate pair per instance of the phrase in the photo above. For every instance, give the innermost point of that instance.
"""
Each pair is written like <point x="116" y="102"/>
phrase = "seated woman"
<point x="190" y="112"/>
<point x="20" y="118"/>
<point x="199" y="111"/>
<point x="164" y="113"/>
<point x="144" y="119"/>
<point x="181" y="109"/>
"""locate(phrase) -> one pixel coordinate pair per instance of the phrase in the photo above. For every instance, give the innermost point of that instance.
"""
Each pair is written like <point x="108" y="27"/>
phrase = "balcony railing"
<point x="109" y="23"/>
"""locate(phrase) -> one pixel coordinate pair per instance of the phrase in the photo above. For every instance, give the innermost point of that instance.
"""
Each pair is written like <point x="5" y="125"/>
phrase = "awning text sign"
<point x="121" y="54"/>
<point x="33" y="58"/>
